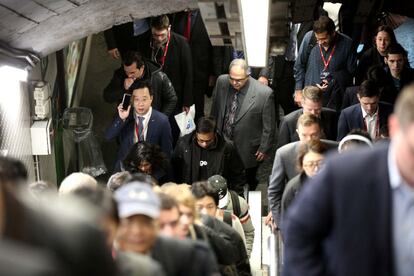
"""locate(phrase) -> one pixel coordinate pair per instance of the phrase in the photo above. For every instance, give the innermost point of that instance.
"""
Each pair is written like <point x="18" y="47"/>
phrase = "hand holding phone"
<point x="126" y="101"/>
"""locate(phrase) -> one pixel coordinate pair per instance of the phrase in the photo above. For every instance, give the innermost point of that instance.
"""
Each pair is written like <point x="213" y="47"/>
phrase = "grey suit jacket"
<point x="255" y="123"/>
<point x="284" y="169"/>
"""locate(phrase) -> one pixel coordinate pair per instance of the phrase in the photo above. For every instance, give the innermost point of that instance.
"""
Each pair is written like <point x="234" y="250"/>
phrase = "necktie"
<point x="231" y="115"/>
<point x="140" y="128"/>
<point x="187" y="30"/>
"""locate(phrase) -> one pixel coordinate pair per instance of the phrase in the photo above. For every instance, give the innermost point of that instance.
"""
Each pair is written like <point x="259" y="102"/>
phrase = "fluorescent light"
<point x="254" y="16"/>
<point x="9" y="73"/>
<point x="11" y="80"/>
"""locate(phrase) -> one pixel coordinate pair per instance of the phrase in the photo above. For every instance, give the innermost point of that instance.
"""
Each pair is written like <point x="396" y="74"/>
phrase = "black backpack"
<point x="312" y="43"/>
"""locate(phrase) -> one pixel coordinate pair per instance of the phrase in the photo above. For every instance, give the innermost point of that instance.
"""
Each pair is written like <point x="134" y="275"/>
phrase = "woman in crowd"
<point x="383" y="37"/>
<point x="148" y="159"/>
<point x="309" y="162"/>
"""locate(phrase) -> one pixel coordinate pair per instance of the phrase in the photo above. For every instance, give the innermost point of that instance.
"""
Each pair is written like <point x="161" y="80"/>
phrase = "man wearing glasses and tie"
<point x="245" y="114"/>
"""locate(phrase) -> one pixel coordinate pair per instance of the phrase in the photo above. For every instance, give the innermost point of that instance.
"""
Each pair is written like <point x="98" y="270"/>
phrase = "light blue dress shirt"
<point x="402" y="220"/>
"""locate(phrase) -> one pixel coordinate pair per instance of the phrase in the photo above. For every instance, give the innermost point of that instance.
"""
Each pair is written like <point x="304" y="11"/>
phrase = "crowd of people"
<point x="175" y="204"/>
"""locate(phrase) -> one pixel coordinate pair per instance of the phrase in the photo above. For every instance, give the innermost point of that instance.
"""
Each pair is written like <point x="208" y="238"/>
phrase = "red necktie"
<point x="187" y="30"/>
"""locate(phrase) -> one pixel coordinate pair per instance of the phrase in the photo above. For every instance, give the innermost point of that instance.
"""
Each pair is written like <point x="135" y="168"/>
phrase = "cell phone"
<point x="126" y="101"/>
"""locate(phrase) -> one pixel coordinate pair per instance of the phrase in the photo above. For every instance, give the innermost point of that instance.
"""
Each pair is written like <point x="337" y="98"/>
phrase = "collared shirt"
<point x="343" y="60"/>
<point x="402" y="218"/>
<point x="145" y="122"/>
<point x="371" y="123"/>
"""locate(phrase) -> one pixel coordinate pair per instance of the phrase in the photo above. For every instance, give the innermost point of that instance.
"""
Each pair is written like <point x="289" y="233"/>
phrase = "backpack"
<point x="312" y="43"/>
<point x="236" y="203"/>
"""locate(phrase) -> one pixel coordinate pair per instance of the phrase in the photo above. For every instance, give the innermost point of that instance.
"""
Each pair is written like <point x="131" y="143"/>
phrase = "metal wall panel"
<point x="15" y="127"/>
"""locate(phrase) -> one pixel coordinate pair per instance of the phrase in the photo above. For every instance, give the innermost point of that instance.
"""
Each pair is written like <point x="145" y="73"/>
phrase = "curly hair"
<point x="141" y="152"/>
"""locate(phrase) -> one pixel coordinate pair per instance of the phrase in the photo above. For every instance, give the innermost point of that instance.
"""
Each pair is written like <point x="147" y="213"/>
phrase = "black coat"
<point x="184" y="257"/>
<point x="370" y="58"/>
<point x="164" y="98"/>
<point x="200" y="45"/>
<point x="179" y="68"/>
<point x="122" y="37"/>
<point x="222" y="159"/>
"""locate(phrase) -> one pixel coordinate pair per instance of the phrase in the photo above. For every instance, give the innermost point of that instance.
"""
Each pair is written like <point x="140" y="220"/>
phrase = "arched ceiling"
<point x="44" y="26"/>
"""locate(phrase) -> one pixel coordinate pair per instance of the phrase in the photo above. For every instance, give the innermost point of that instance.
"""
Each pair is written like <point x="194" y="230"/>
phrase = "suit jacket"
<point x="159" y="133"/>
<point x="340" y="223"/>
<point x="351" y="118"/>
<point x="287" y="131"/>
<point x="284" y="169"/>
<point x="254" y="125"/>
<point x="350" y="97"/>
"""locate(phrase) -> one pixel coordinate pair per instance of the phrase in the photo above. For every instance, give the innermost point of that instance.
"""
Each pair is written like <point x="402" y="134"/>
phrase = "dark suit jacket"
<point x="287" y="131"/>
<point x="351" y="118"/>
<point x="122" y="37"/>
<point x="159" y="133"/>
<point x="350" y="97"/>
<point x="179" y="68"/>
<point x="254" y="125"/>
<point x="340" y="223"/>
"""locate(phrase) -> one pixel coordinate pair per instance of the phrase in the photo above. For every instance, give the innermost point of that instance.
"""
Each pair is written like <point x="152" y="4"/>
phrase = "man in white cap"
<point x="231" y="201"/>
<point x="139" y="209"/>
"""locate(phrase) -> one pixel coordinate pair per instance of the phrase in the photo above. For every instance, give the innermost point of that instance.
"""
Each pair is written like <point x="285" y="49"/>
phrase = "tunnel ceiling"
<point x="44" y="26"/>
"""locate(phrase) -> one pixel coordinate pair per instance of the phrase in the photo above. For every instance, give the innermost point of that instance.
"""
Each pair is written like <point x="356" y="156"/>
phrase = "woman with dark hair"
<point x="148" y="158"/>
<point x="384" y="36"/>
<point x="309" y="162"/>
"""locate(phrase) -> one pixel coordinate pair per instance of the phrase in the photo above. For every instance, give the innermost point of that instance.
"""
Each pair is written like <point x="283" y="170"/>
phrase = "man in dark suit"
<point x="143" y="124"/>
<point x="311" y="104"/>
<point x="190" y="25"/>
<point x="370" y="114"/>
<point x="354" y="217"/>
<point x="245" y="114"/>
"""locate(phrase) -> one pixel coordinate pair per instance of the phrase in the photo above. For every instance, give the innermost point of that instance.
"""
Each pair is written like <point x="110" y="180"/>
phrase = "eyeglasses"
<point x="314" y="164"/>
<point x="238" y="80"/>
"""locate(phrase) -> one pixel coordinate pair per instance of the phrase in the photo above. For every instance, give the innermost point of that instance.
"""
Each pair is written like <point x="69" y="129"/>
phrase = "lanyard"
<point x="376" y="126"/>
<point x="326" y="62"/>
<point x="162" y="60"/>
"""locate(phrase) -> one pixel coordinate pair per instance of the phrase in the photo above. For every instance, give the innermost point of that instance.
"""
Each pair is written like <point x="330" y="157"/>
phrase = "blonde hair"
<point x="312" y="93"/>
<point x="182" y="194"/>
<point x="307" y="120"/>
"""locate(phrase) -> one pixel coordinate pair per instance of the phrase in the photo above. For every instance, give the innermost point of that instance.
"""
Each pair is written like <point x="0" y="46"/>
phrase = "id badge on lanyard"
<point x="325" y="74"/>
